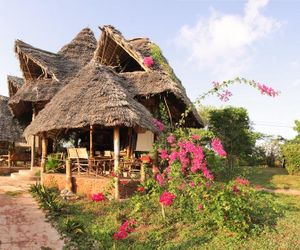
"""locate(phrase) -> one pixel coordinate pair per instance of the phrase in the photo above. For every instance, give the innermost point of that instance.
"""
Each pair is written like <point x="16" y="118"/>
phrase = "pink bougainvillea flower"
<point x="148" y="61"/>
<point x="200" y="207"/>
<point x="242" y="181"/>
<point x="235" y="189"/>
<point x="171" y="139"/>
<point x="167" y="198"/>
<point x="145" y="159"/>
<point x="160" y="180"/>
<point x="173" y="157"/>
<point x="224" y="96"/>
<point x="218" y="147"/>
<point x="196" y="137"/>
<point x="267" y="90"/>
<point x="124" y="230"/>
<point x="163" y="154"/>
<point x="98" y="197"/>
<point x="192" y="184"/>
<point x="159" y="125"/>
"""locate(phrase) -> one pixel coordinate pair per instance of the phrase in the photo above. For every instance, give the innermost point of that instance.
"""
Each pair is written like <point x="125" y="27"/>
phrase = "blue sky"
<point x="204" y="41"/>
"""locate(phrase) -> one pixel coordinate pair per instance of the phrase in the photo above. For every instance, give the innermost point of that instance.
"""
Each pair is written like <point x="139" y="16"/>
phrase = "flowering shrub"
<point x="218" y="147"/>
<point x="98" y="197"/>
<point x="159" y="125"/>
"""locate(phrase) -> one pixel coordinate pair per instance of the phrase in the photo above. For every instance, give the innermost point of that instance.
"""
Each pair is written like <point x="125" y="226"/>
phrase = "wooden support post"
<point x="9" y="158"/>
<point x="143" y="173"/>
<point x="44" y="145"/>
<point x="32" y="144"/>
<point x="91" y="142"/>
<point x="68" y="176"/>
<point x="116" y="160"/>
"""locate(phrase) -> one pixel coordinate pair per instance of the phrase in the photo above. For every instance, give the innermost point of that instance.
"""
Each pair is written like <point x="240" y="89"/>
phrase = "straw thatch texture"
<point x="94" y="97"/>
<point x="81" y="49"/>
<point x="36" y="63"/>
<point x="158" y="80"/>
<point x="10" y="129"/>
<point x="14" y="83"/>
<point x="147" y="84"/>
<point x="46" y="73"/>
<point x="114" y="50"/>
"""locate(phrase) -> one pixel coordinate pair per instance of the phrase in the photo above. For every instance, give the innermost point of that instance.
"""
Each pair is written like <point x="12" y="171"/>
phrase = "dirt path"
<point x="22" y="223"/>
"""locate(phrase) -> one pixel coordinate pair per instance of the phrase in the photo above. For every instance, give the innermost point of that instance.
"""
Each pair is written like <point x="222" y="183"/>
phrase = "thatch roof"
<point x="114" y="50"/>
<point x="95" y="96"/>
<point x="10" y="129"/>
<point x="14" y="83"/>
<point x="81" y="49"/>
<point x="147" y="84"/>
<point x="46" y="73"/>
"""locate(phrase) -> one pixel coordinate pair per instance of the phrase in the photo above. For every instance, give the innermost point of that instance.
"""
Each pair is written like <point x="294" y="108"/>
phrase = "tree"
<point x="232" y="126"/>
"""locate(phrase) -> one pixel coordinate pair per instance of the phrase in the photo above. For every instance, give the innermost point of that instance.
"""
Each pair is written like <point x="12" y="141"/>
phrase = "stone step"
<point x="20" y="177"/>
<point x="28" y="172"/>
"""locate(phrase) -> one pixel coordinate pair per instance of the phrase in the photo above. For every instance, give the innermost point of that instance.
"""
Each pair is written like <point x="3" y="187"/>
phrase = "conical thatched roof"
<point x="95" y="96"/>
<point x="46" y="73"/>
<point x="81" y="49"/>
<point x="113" y="49"/>
<point x="14" y="83"/>
<point x="10" y="129"/>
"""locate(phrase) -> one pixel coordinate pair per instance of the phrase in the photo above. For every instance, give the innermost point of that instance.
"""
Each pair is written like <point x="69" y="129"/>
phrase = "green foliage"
<point x="162" y="61"/>
<point x="47" y="198"/>
<point x="52" y="163"/>
<point x="291" y="153"/>
<point x="232" y="126"/>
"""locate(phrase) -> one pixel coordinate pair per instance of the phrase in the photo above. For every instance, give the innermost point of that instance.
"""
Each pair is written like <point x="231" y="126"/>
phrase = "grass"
<point x="272" y="178"/>
<point x="90" y="225"/>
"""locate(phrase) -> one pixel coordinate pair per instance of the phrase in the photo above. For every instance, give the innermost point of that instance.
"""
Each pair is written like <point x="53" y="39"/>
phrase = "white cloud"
<point x="222" y="43"/>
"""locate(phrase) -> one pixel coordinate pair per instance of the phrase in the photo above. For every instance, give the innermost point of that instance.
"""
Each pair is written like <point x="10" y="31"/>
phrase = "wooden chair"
<point x="80" y="158"/>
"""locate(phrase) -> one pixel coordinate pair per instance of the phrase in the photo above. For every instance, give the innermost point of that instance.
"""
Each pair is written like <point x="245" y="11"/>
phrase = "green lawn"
<point x="272" y="177"/>
<point x="91" y="225"/>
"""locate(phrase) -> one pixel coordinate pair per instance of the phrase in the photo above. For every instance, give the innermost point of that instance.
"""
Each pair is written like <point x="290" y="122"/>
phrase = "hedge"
<point x="291" y="153"/>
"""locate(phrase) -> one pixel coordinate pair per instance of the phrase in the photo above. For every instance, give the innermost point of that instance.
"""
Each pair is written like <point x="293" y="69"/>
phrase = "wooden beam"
<point x="44" y="142"/>
<point x="91" y="142"/>
<point x="116" y="160"/>
<point x="32" y="163"/>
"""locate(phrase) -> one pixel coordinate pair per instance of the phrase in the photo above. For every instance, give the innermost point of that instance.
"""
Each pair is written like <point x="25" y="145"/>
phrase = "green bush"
<point x="52" y="163"/>
<point x="291" y="153"/>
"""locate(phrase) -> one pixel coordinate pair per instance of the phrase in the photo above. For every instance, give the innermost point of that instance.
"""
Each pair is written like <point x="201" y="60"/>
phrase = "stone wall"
<point x="86" y="186"/>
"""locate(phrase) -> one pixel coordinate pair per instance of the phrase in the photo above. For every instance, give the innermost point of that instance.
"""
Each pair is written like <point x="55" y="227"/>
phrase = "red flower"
<point x="167" y="198"/>
<point x="145" y="159"/>
<point x="242" y="181"/>
<point x="160" y="180"/>
<point x="171" y="139"/>
<point x="141" y="189"/>
<point x="113" y="174"/>
<point x="98" y="197"/>
<point x="195" y="137"/>
<point x="155" y="169"/>
<point x="148" y="61"/>
<point x="235" y="189"/>
<point x="200" y="207"/>
<point x="124" y="230"/>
